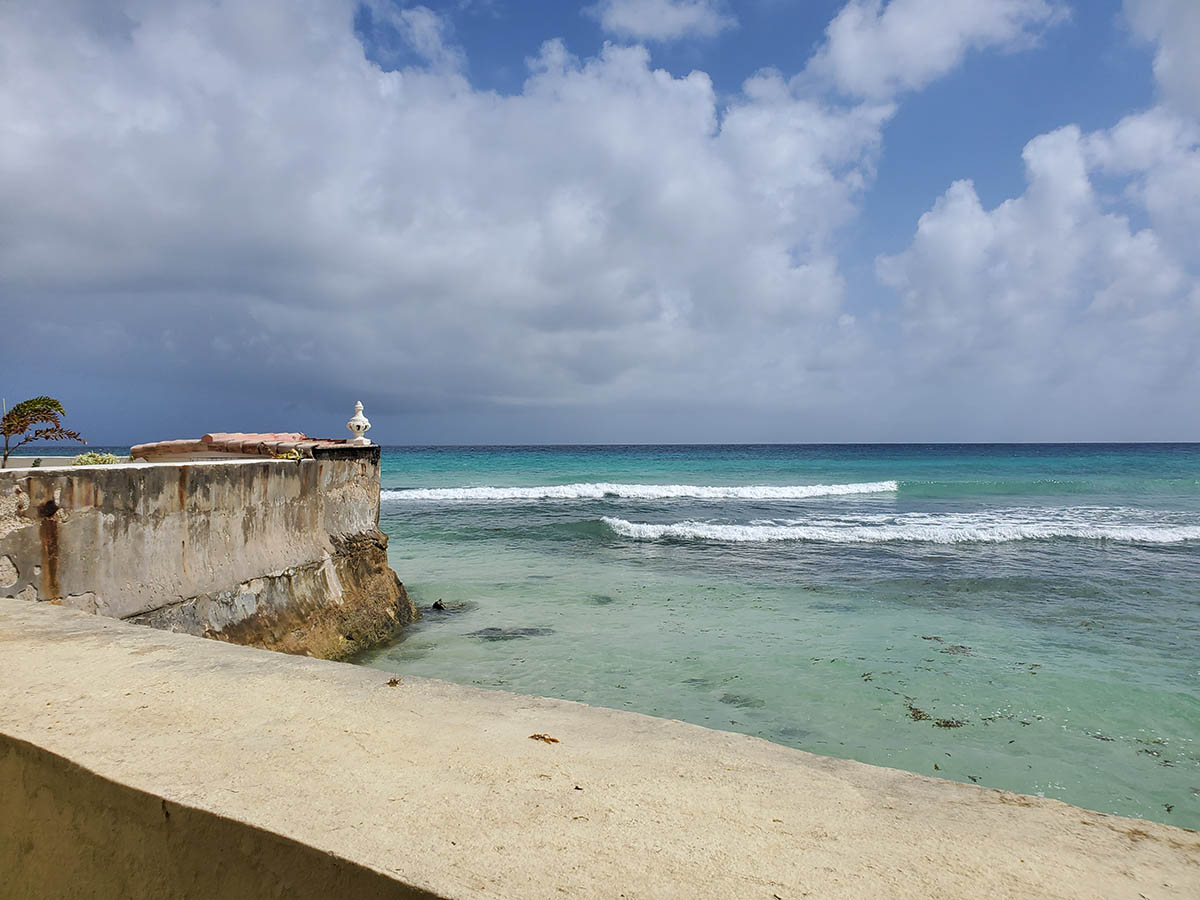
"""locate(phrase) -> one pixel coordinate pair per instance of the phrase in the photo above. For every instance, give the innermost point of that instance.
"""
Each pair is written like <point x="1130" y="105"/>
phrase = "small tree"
<point x="21" y="419"/>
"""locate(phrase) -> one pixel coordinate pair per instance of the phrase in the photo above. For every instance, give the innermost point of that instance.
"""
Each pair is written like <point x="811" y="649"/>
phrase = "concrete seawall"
<point x="126" y="843"/>
<point x="284" y="554"/>
<point x="122" y="746"/>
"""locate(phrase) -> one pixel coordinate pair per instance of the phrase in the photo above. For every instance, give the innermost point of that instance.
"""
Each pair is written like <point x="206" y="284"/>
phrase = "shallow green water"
<point x="1023" y="617"/>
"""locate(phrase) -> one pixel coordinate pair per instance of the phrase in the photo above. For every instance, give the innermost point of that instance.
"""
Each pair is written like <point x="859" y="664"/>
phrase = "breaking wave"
<point x="944" y="532"/>
<point x="604" y="490"/>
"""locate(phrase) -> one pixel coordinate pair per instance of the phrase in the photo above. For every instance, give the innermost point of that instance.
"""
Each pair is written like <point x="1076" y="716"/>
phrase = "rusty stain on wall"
<point x="48" y="531"/>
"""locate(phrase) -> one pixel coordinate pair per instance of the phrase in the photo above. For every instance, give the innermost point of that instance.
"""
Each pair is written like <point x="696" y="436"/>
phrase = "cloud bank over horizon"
<point x="245" y="215"/>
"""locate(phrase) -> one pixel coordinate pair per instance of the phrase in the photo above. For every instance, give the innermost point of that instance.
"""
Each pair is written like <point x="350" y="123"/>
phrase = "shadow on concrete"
<point x="66" y="831"/>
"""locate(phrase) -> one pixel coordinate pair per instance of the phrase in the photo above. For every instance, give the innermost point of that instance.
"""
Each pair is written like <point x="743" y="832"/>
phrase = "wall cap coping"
<point x="268" y="444"/>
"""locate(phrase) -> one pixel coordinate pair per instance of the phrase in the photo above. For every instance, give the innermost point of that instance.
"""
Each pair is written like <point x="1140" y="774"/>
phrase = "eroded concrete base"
<point x="440" y="788"/>
<point x="333" y="608"/>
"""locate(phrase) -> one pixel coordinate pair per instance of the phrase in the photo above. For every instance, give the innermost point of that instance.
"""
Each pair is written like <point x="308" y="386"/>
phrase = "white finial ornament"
<point x="359" y="426"/>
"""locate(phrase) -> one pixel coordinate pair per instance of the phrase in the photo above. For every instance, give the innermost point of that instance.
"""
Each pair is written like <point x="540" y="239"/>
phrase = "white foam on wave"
<point x="605" y="490"/>
<point x="950" y="532"/>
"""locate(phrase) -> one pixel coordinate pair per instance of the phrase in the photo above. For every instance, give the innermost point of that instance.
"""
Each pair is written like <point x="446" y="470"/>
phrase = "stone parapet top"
<point x="269" y="443"/>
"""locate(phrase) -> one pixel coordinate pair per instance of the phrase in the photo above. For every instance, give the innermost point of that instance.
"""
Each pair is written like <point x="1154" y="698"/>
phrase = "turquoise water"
<point x="1022" y="617"/>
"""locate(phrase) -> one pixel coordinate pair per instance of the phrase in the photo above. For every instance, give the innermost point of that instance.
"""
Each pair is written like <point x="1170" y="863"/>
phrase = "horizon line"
<point x="28" y="451"/>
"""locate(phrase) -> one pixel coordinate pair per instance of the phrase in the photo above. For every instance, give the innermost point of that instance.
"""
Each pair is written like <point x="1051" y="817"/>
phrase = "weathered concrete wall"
<point x="278" y="553"/>
<point x="440" y="789"/>
<point x="70" y="833"/>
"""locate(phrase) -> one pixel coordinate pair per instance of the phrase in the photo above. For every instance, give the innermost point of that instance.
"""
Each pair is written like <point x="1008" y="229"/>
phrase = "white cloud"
<point x="974" y="273"/>
<point x="422" y="30"/>
<point x="877" y="51"/>
<point x="243" y="173"/>
<point x="1174" y="27"/>
<point x="662" y="20"/>
<point x="1077" y="303"/>
<point x="1054" y="299"/>
<point x="1156" y="157"/>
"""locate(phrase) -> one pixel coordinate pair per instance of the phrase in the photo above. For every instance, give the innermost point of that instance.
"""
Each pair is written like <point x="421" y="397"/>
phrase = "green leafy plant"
<point x="22" y="420"/>
<point x="96" y="459"/>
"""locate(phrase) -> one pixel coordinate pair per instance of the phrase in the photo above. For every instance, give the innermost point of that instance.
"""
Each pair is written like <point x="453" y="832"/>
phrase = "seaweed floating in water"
<point x="742" y="701"/>
<point x="602" y="599"/>
<point x="915" y="712"/>
<point x="952" y="649"/>
<point x="793" y="733"/>
<point x="508" y="634"/>
<point x="948" y="723"/>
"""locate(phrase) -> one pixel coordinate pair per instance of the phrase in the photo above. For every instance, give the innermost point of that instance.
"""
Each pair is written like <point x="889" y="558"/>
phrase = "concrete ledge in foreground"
<point x="140" y="763"/>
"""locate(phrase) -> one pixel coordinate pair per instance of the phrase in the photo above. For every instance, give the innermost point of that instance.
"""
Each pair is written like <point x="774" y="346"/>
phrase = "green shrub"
<point x="96" y="459"/>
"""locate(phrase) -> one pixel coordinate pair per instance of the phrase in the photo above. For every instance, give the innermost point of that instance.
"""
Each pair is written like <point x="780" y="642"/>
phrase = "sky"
<point x="622" y="221"/>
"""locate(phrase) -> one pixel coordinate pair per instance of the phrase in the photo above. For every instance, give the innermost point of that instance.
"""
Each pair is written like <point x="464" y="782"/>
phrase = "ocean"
<point x="1024" y="617"/>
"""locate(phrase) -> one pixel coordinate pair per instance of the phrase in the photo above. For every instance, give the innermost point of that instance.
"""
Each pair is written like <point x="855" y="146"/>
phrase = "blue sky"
<point x="622" y="221"/>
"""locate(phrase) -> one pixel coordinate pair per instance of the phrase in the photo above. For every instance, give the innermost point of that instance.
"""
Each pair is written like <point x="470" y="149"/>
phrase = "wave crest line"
<point x="607" y="490"/>
<point x="916" y="533"/>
